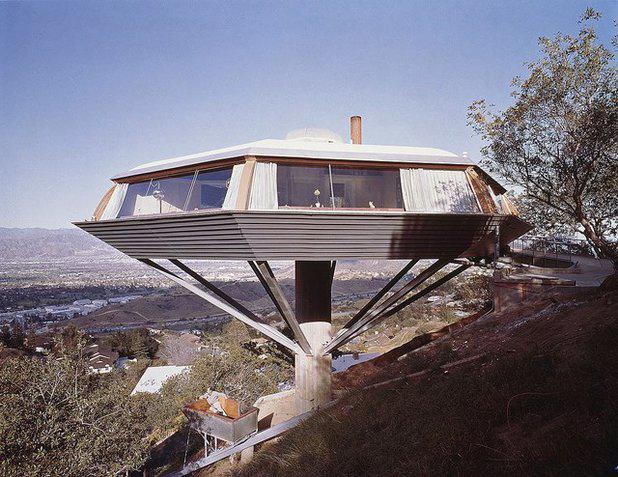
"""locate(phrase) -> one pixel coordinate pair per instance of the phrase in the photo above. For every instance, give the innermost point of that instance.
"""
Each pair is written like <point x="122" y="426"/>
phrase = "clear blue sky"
<point x="88" y="89"/>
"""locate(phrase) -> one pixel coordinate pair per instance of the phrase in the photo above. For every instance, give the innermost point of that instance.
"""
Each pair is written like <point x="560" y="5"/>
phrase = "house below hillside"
<point x="155" y="376"/>
<point x="101" y="358"/>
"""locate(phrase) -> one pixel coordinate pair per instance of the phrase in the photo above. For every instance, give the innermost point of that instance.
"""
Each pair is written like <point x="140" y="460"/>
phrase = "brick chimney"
<point x="356" y="134"/>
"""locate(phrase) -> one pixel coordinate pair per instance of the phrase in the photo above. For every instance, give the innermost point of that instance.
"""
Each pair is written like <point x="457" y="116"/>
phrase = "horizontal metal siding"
<point x="298" y="236"/>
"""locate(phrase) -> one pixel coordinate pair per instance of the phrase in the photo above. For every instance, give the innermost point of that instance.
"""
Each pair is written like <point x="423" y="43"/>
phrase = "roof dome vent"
<point x="313" y="135"/>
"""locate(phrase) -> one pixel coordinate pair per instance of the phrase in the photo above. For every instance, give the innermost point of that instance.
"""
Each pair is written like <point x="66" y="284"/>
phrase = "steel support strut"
<point x="400" y="306"/>
<point x="220" y="300"/>
<point x="351" y="330"/>
<point x="267" y="278"/>
<point x="369" y="305"/>
<point x="217" y="291"/>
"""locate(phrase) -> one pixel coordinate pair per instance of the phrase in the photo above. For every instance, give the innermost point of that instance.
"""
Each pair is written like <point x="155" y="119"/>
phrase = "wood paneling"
<point x="481" y="190"/>
<point x="98" y="212"/>
<point x="244" y="188"/>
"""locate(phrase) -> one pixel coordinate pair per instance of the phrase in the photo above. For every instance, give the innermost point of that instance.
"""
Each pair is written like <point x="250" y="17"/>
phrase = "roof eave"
<point x="299" y="154"/>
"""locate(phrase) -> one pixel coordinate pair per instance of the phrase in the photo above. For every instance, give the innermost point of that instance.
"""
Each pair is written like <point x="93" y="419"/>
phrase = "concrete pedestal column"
<point x="313" y="311"/>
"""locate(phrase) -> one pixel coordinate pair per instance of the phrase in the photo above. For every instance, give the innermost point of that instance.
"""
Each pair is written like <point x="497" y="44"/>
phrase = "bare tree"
<point x="179" y="350"/>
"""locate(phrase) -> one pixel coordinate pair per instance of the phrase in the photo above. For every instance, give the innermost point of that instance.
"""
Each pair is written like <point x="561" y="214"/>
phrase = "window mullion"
<point x="332" y="190"/>
<point x="186" y="204"/>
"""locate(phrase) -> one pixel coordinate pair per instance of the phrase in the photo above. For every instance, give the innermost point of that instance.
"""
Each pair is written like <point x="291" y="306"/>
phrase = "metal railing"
<point x="557" y="248"/>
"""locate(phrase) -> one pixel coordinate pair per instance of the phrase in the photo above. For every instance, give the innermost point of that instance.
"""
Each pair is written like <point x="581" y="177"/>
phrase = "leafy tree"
<point x="237" y="331"/>
<point x="13" y="336"/>
<point x="558" y="140"/>
<point x="140" y="350"/>
<point x="5" y="335"/>
<point x="69" y="339"/>
<point x="17" y="338"/>
<point x="179" y="349"/>
<point x="57" y="420"/>
<point x="231" y="369"/>
<point x="30" y="343"/>
<point x="134" y="343"/>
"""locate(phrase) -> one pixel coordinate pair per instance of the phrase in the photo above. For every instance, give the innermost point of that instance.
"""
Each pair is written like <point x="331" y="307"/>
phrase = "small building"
<point x="155" y="376"/>
<point x="101" y="358"/>
<point x="123" y="299"/>
<point x="125" y="363"/>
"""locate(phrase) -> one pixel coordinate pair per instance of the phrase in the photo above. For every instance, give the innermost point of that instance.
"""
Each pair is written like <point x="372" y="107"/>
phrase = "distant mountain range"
<point x="37" y="243"/>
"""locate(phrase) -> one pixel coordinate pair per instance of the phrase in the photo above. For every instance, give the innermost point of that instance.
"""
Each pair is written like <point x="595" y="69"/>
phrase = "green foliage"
<point x="57" y="420"/>
<point x="233" y="370"/>
<point x="559" y="139"/>
<point x="471" y="288"/>
<point x="12" y="337"/>
<point x="69" y="339"/>
<point x="134" y="343"/>
<point x="5" y="335"/>
<point x="237" y="331"/>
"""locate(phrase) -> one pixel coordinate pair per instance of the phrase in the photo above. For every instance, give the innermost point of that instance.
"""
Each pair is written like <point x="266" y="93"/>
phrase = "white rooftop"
<point x="311" y="147"/>
<point x="345" y="361"/>
<point x="155" y="376"/>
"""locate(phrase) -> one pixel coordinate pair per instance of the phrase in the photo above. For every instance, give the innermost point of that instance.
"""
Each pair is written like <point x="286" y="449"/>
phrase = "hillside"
<point x="37" y="243"/>
<point x="177" y="305"/>
<point x="530" y="391"/>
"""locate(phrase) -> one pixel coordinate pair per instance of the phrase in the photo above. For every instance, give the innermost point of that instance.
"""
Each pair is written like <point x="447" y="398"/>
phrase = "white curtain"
<point x="149" y="204"/>
<point x="115" y="202"/>
<point x="429" y="190"/>
<point x="264" y="187"/>
<point x="231" y="196"/>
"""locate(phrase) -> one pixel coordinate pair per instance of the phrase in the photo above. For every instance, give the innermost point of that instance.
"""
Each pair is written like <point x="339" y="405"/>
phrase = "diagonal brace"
<point x="249" y="319"/>
<point x="377" y="297"/>
<point x="346" y="336"/>
<point x="267" y="278"/>
<point x="217" y="291"/>
<point x="428" y="289"/>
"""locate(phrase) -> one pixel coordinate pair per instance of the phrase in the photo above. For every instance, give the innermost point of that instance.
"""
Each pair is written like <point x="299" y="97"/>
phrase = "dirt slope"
<point x="530" y="391"/>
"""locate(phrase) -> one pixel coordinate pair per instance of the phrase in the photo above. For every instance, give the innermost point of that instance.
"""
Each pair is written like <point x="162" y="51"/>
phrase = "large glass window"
<point x="167" y="195"/>
<point x="299" y="186"/>
<point x="195" y="191"/>
<point x="338" y="187"/>
<point x="435" y="190"/>
<point x="138" y="189"/>
<point x="366" y="188"/>
<point x="157" y="196"/>
<point x="209" y="189"/>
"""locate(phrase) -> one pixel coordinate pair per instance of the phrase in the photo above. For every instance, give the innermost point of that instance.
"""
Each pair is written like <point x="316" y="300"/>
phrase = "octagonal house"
<point x="312" y="199"/>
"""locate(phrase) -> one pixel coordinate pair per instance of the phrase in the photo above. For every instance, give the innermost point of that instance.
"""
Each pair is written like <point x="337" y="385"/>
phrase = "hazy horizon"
<point x="88" y="89"/>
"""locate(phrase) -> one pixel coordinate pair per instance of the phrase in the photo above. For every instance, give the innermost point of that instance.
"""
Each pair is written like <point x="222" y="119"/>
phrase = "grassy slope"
<point x="540" y="400"/>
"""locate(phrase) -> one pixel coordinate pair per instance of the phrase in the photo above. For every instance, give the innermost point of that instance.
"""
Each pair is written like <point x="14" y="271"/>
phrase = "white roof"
<point x="344" y="361"/>
<point x="155" y="376"/>
<point x="309" y="148"/>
